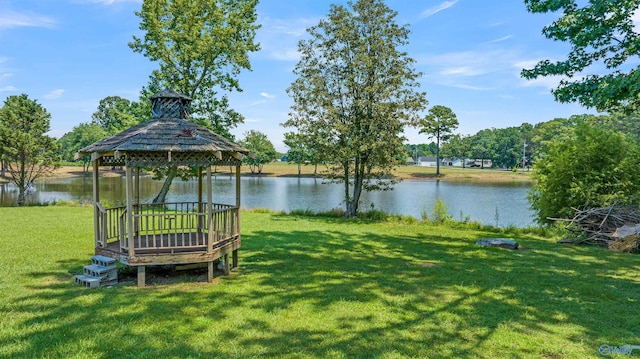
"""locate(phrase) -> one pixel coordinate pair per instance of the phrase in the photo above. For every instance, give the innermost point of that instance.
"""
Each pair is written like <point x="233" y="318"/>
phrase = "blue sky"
<point x="69" y="54"/>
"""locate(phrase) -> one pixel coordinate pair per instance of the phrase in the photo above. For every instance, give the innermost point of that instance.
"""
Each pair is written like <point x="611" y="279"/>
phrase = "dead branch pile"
<point x="616" y="227"/>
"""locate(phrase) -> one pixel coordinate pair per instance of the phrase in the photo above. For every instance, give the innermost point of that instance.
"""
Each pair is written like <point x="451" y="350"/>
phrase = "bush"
<point x="594" y="168"/>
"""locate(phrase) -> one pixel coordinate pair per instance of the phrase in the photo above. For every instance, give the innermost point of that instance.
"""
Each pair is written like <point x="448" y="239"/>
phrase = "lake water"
<point x="501" y="205"/>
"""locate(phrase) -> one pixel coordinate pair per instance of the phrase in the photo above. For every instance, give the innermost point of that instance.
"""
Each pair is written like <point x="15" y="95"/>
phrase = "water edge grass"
<point x="320" y="286"/>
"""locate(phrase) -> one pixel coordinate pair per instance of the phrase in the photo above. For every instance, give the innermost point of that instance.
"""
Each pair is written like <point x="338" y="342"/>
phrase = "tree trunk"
<point x="162" y="195"/>
<point x="354" y="200"/>
<point x="438" y="156"/>
<point x="299" y="168"/>
<point x="21" y="196"/>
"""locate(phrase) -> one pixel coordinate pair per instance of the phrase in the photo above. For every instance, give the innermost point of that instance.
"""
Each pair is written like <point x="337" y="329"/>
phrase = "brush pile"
<point x="616" y="227"/>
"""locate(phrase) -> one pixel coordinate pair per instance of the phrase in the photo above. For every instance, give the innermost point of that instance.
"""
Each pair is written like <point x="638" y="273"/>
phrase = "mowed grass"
<point x="311" y="287"/>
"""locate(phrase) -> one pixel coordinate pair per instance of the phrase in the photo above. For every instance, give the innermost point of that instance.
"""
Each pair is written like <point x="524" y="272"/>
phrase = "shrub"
<point x="594" y="168"/>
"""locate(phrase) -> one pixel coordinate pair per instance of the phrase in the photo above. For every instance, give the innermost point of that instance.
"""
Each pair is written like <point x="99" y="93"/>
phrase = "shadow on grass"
<point x="346" y="293"/>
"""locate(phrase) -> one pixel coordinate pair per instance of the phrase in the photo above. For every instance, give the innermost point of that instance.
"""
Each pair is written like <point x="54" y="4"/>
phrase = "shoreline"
<point x="452" y="174"/>
<point x="279" y="169"/>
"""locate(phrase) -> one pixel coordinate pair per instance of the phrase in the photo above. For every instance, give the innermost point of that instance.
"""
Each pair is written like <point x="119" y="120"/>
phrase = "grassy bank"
<point x="311" y="287"/>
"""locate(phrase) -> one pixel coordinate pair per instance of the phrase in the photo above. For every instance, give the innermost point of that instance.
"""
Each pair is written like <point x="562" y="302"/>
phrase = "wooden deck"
<point x="171" y="233"/>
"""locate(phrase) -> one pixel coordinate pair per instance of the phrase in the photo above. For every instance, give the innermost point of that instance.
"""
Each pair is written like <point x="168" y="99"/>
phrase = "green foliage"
<point x="457" y="147"/>
<point x="24" y="148"/>
<point x="81" y="136"/>
<point x="354" y="93"/>
<point x="594" y="168"/>
<point x="300" y="149"/>
<point x="483" y="145"/>
<point x="201" y="47"/>
<point x="601" y="34"/>
<point x="115" y="114"/>
<point x="263" y="150"/>
<point x="440" y="211"/>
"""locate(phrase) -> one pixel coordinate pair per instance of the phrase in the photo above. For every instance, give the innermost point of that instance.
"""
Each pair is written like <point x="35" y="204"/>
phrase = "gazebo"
<point x="141" y="234"/>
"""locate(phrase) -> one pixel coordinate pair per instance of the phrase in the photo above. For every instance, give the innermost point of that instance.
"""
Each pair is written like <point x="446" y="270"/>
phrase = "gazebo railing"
<point x="185" y="226"/>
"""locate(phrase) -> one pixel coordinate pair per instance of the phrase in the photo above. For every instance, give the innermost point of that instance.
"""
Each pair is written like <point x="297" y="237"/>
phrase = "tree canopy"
<point x="115" y="114"/>
<point x="79" y="137"/>
<point x="26" y="150"/>
<point x="354" y="93"/>
<point x="263" y="150"/>
<point x="601" y="34"/>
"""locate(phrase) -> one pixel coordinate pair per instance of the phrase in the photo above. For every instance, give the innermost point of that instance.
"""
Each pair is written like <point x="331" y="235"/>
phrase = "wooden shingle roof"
<point x="167" y="141"/>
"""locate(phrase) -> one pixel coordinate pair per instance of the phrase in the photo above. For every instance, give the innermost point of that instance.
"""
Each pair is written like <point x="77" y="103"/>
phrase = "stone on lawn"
<point x="498" y="242"/>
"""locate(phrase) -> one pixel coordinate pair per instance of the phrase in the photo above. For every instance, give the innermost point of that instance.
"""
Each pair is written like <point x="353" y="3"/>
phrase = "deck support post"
<point x="210" y="272"/>
<point x="226" y="265"/>
<point x="141" y="276"/>
<point x="234" y="256"/>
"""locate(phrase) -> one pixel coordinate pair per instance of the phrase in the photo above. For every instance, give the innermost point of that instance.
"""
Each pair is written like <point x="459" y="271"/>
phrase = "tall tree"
<point x="354" y="93"/>
<point x="201" y="46"/>
<point x="26" y="150"/>
<point x="439" y="124"/>
<point x="601" y="32"/>
<point x="258" y="143"/>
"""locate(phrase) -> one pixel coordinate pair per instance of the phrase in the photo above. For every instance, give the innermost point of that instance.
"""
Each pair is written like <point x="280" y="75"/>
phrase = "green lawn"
<point x="319" y="288"/>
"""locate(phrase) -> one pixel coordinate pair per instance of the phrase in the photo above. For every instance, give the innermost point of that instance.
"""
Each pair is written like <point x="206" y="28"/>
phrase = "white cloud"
<point x="482" y="70"/>
<point x="436" y="9"/>
<point x="10" y="19"/>
<point x="461" y="71"/>
<point x="500" y="39"/>
<point x="267" y="95"/>
<point x="285" y="55"/>
<point x="256" y="103"/>
<point x="469" y="87"/>
<point x="8" y="88"/>
<point x="471" y="63"/>
<point x="55" y="94"/>
<point x="279" y="37"/>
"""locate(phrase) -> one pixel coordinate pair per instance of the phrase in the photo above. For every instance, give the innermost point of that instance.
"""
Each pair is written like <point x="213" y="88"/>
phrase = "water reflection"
<point x="490" y="204"/>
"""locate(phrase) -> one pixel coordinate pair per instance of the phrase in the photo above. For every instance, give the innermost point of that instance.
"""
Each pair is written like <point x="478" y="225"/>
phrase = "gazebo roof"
<point x="165" y="136"/>
<point x="168" y="139"/>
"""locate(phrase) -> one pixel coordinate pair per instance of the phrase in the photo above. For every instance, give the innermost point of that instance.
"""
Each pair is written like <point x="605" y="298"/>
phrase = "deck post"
<point x="141" y="276"/>
<point x="235" y="252"/>
<point x="200" y="205"/>
<point x="227" y="270"/>
<point x="210" y="224"/>
<point x="234" y="256"/>
<point x="136" y="199"/>
<point x="96" y="212"/>
<point x="210" y="272"/>
<point x="129" y="191"/>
